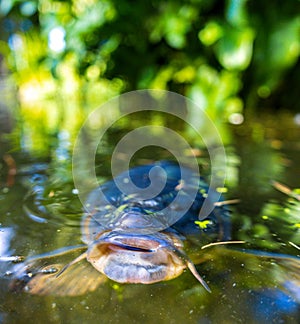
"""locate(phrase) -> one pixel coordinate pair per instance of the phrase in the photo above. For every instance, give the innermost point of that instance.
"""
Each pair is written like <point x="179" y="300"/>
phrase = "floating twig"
<point x="285" y="189"/>
<point x="294" y="245"/>
<point x="226" y="202"/>
<point x="221" y="243"/>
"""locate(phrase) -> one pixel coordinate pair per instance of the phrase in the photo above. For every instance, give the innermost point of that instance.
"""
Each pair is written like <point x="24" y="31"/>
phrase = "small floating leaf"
<point x="203" y="224"/>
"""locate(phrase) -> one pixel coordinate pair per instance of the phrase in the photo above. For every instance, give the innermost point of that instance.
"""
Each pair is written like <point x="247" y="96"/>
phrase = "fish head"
<point x="137" y="258"/>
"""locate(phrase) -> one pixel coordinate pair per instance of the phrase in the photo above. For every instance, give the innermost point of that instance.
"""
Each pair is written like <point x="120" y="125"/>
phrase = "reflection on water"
<point x="6" y="234"/>
<point x="41" y="212"/>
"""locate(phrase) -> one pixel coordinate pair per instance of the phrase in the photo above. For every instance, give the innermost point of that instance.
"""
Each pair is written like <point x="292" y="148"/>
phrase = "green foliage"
<point x="68" y="57"/>
<point x="147" y="44"/>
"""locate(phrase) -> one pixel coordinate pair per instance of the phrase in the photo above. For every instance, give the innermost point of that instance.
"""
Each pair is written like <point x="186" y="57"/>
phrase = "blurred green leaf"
<point x="6" y="6"/>
<point x="28" y="8"/>
<point x="236" y="12"/>
<point x="210" y="33"/>
<point x="284" y="46"/>
<point x="234" y="49"/>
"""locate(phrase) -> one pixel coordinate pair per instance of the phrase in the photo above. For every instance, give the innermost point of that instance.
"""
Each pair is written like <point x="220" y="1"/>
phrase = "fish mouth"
<point x="120" y="247"/>
<point x="140" y="258"/>
<point x="146" y="243"/>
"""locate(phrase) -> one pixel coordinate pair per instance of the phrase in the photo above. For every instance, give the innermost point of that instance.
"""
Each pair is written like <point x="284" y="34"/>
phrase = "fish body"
<point x="123" y="238"/>
<point x="136" y="236"/>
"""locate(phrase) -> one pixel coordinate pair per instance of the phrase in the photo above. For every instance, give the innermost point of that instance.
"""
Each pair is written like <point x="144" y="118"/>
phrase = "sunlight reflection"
<point x="56" y="40"/>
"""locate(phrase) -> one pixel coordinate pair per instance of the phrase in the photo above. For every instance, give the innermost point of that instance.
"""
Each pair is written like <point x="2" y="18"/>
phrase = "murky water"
<point x="258" y="282"/>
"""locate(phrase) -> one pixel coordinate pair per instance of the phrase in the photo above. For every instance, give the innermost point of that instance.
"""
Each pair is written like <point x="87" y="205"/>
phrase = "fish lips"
<point x="134" y="258"/>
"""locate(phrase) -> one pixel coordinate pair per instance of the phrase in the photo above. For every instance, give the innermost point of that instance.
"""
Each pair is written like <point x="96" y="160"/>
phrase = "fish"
<point x="131" y="237"/>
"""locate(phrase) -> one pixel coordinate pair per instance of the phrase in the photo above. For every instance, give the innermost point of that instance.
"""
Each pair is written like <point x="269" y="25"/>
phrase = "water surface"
<point x="254" y="283"/>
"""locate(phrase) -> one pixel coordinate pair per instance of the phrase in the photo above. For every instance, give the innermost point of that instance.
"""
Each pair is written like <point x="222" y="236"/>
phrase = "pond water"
<point x="256" y="282"/>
